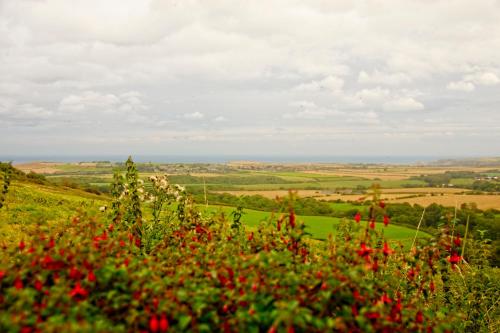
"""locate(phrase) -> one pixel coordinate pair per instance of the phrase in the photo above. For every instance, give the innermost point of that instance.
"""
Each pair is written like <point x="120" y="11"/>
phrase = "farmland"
<point x="235" y="250"/>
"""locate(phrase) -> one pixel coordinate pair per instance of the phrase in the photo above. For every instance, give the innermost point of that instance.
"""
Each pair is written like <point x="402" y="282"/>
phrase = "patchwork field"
<point x="322" y="181"/>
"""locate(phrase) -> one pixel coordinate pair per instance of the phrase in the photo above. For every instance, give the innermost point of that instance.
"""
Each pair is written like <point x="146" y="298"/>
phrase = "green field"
<point x="318" y="226"/>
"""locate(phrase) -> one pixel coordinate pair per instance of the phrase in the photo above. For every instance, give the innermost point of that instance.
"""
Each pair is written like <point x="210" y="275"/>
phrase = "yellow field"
<point x="482" y="201"/>
<point x="46" y="168"/>
<point x="389" y="172"/>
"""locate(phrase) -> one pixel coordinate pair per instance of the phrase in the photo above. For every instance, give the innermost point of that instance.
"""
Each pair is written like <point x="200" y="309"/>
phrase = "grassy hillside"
<point x="30" y="204"/>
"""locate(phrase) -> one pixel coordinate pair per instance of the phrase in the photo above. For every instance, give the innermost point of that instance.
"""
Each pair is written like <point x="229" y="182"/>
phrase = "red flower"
<point x="52" y="243"/>
<point x="250" y="236"/>
<point x="385" y="299"/>
<point x="432" y="287"/>
<point x="375" y="265"/>
<point x="419" y="318"/>
<point x="154" y="324"/>
<point x="372" y="315"/>
<point x="18" y="283"/>
<point x="372" y="224"/>
<point x="290" y="329"/>
<point x="381" y="204"/>
<point x="457" y="240"/>
<point x="21" y="245"/>
<point x="74" y="273"/>
<point x="78" y="292"/>
<point x="364" y="251"/>
<point x="454" y="259"/>
<point x="387" y="250"/>
<point x="412" y="273"/>
<point x="2" y="274"/>
<point x="38" y="285"/>
<point x="386" y="220"/>
<point x="291" y="219"/>
<point x="138" y="242"/>
<point x="163" y="323"/>
<point x="91" y="276"/>
<point x="357" y="217"/>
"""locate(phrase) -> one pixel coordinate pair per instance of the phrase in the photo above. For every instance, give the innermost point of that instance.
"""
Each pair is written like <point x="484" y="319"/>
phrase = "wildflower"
<point x="386" y="250"/>
<point x="385" y="299"/>
<point x="74" y="273"/>
<point x="2" y="274"/>
<point x="38" y="285"/>
<point x="91" y="276"/>
<point x="52" y="243"/>
<point x="381" y="204"/>
<point x="163" y="323"/>
<point x="291" y="219"/>
<point x="419" y="318"/>
<point x="454" y="259"/>
<point x="372" y="315"/>
<point x="386" y="220"/>
<point x="457" y="240"/>
<point x="78" y="292"/>
<point x="250" y="236"/>
<point x="375" y="265"/>
<point x="412" y="273"/>
<point x="18" y="283"/>
<point x="153" y="324"/>
<point x="21" y="245"/>
<point x="372" y="224"/>
<point x="357" y="217"/>
<point x="432" y="287"/>
<point x="364" y="251"/>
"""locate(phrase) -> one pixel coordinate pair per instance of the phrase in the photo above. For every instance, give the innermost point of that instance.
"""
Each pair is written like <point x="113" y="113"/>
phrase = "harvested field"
<point x="391" y="172"/>
<point x="482" y="201"/>
<point x="46" y="168"/>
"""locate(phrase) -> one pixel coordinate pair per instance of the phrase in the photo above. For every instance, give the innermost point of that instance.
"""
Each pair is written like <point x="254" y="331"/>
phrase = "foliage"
<point x="6" y="170"/>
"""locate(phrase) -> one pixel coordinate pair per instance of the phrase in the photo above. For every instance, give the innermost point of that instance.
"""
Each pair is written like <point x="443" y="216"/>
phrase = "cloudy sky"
<point x="250" y="77"/>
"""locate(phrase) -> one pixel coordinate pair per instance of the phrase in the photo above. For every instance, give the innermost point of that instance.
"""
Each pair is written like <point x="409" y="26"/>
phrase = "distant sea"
<point x="227" y="158"/>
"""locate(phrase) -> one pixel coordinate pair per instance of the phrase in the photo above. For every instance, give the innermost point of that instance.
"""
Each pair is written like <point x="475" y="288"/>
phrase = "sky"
<point x="273" y="77"/>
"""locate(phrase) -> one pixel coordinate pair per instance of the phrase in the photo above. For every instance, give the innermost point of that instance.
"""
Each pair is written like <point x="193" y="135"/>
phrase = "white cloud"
<point x="220" y="119"/>
<point x="194" y="116"/>
<point x="377" y="77"/>
<point x="375" y="95"/>
<point x="330" y="84"/>
<point x="403" y="104"/>
<point x="303" y="104"/>
<point x="483" y="78"/>
<point x="95" y="102"/>
<point x="461" y="86"/>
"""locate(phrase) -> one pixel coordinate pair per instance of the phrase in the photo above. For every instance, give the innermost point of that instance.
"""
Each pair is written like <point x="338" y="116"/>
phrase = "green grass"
<point x="344" y="206"/>
<point x="462" y="181"/>
<point x="318" y="226"/>
<point x="29" y="205"/>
